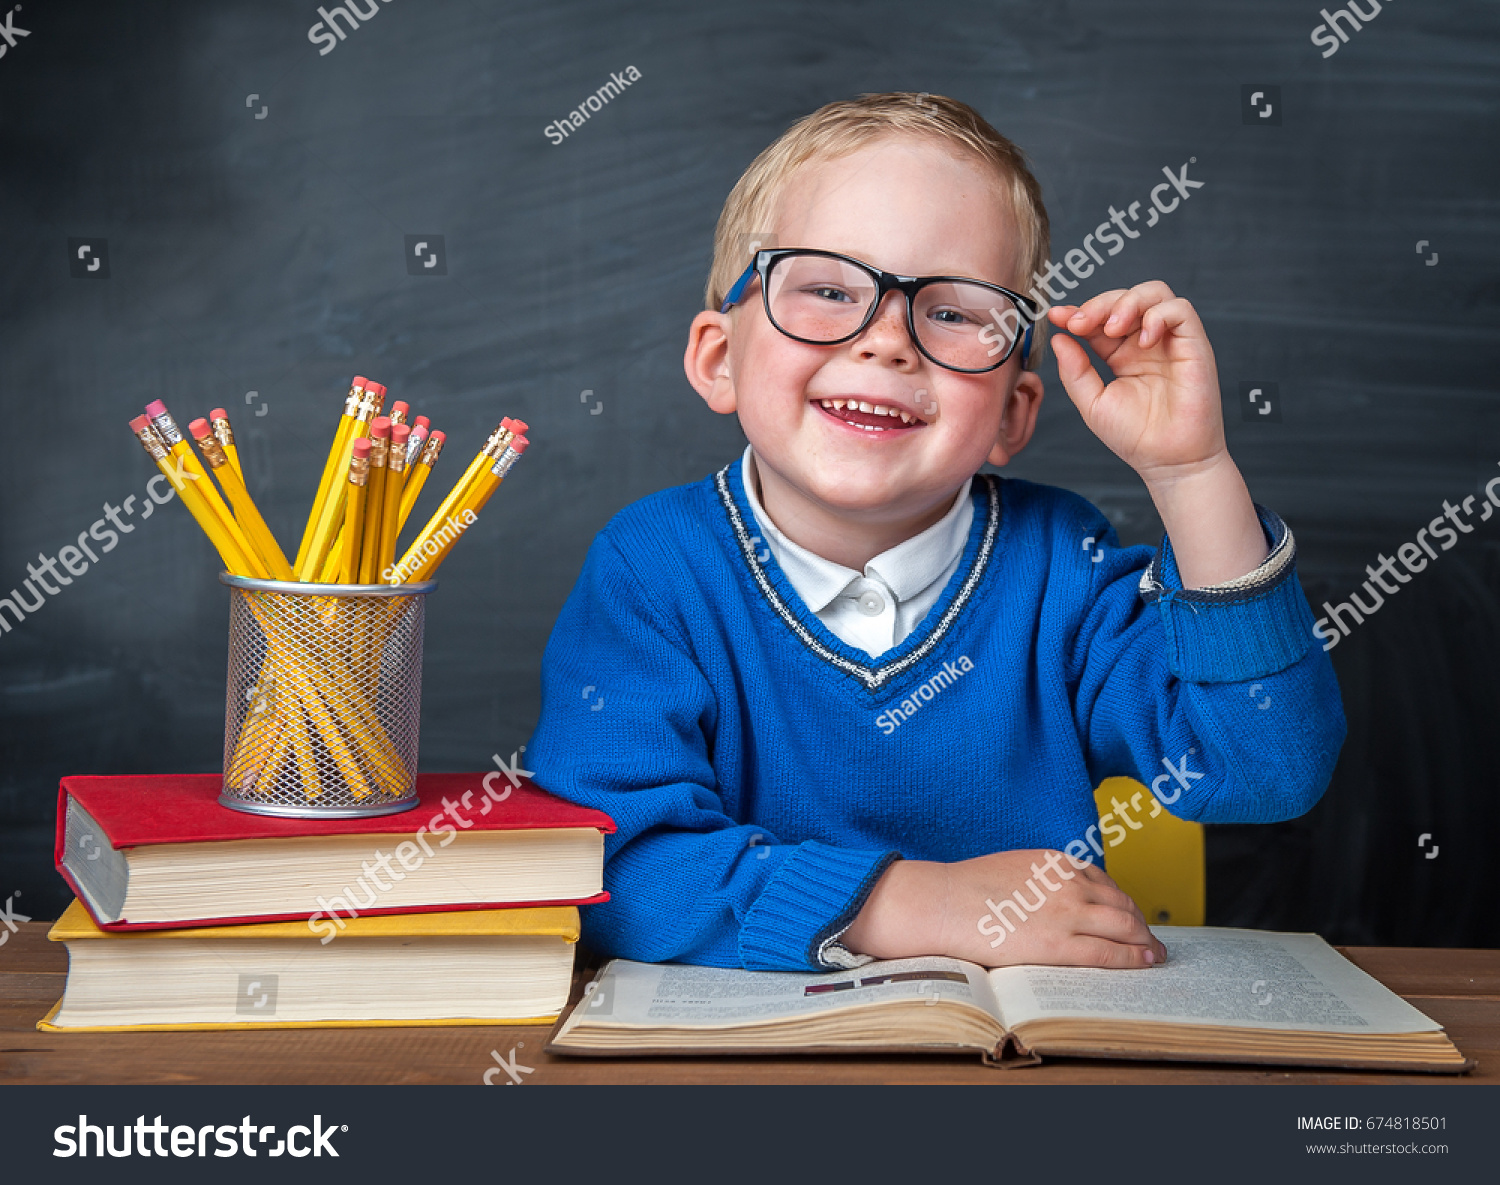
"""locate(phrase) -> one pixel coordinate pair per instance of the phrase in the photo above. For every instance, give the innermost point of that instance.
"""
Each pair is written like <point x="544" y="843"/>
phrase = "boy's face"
<point x="907" y="206"/>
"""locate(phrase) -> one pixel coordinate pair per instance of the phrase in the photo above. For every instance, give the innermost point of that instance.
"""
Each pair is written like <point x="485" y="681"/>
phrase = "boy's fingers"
<point x="1086" y="318"/>
<point x="1085" y="951"/>
<point x="1118" y="925"/>
<point x="1168" y="315"/>
<point x="1111" y="896"/>
<point x="1079" y="378"/>
<point x="1124" y="318"/>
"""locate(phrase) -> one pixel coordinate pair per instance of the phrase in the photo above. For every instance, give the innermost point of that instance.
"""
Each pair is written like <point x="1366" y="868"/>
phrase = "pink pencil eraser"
<point x="421" y="422"/>
<point x="361" y="447"/>
<point x="439" y="436"/>
<point x="360" y="381"/>
<point x="519" y="426"/>
<point x="199" y="428"/>
<point x="401" y="405"/>
<point x="138" y="423"/>
<point x="380" y="426"/>
<point x="156" y="408"/>
<point x="520" y="444"/>
<point x="372" y="385"/>
<point x="419" y="431"/>
<point x="218" y="413"/>
<point x="399" y="433"/>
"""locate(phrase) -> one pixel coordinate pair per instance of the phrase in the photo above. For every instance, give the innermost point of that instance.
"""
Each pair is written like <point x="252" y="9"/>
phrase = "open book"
<point x="1222" y="996"/>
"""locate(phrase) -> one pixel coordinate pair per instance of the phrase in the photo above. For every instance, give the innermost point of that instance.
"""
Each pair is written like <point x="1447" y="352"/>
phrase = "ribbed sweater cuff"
<point x="1249" y="628"/>
<point x="815" y="895"/>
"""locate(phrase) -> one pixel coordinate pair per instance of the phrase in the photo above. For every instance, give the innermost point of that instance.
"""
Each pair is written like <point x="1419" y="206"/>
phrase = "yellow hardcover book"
<point x="459" y="967"/>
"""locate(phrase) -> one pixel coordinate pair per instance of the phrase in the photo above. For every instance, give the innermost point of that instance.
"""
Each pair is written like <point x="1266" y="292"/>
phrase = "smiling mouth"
<point x="870" y="417"/>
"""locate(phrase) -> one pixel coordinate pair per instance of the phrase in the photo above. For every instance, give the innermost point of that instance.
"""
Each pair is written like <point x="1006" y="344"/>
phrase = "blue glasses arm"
<point x="1026" y="344"/>
<point x="738" y="291"/>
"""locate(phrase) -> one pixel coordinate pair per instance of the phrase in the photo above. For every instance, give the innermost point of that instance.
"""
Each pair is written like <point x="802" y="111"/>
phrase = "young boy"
<point x="848" y="692"/>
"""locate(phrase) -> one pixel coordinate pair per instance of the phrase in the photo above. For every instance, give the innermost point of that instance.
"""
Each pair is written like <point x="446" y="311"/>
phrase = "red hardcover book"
<point x="155" y="852"/>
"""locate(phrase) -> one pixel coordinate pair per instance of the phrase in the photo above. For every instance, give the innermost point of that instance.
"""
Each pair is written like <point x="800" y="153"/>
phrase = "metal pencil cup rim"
<point x="343" y="722"/>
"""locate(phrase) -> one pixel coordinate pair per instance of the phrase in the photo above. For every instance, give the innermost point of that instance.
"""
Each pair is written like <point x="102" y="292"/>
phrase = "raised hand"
<point x="1161" y="414"/>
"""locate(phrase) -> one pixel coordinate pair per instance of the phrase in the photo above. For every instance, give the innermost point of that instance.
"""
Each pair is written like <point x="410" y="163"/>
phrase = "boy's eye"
<point x="829" y="292"/>
<point x="952" y="318"/>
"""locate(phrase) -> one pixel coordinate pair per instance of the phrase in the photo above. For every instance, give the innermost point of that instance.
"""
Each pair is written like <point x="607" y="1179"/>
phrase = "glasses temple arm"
<point x="732" y="297"/>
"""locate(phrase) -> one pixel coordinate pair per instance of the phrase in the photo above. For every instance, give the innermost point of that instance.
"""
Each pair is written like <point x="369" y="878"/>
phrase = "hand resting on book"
<point x="1027" y="906"/>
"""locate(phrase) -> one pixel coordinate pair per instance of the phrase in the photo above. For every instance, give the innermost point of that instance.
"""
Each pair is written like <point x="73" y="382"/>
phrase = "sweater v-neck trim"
<point x="815" y="637"/>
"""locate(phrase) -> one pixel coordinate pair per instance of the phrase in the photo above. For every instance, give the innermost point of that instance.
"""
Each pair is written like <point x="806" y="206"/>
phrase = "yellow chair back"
<point x="1160" y="864"/>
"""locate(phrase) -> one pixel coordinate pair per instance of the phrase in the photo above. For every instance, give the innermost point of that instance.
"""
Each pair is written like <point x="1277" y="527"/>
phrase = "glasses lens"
<point x="818" y="299"/>
<point x="952" y="319"/>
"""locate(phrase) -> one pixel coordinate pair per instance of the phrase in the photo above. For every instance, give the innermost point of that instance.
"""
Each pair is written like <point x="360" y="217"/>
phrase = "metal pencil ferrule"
<point x="413" y="449"/>
<point x="213" y="452"/>
<point x="395" y="460"/>
<point x="433" y="450"/>
<point x="502" y="466"/>
<point x="167" y="426"/>
<point x="223" y="433"/>
<point x="498" y="441"/>
<point x="379" y="448"/>
<point x="352" y="401"/>
<point x="359" y="471"/>
<point x="151" y="441"/>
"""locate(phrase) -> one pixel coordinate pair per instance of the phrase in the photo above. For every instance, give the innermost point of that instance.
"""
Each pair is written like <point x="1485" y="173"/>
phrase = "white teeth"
<point x="869" y="409"/>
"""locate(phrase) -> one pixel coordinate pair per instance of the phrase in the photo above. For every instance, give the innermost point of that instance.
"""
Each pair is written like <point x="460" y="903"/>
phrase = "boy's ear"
<point x="706" y="361"/>
<point x="1019" y="419"/>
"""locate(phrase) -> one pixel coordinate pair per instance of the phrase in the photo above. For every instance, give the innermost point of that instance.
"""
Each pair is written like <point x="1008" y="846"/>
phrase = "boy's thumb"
<point x="1079" y="378"/>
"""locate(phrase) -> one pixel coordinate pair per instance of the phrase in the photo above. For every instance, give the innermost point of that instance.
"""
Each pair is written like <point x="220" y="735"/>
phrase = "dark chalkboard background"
<point x="267" y="255"/>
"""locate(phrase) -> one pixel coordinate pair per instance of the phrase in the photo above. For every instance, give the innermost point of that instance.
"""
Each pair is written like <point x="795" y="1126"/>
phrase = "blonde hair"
<point x="848" y="125"/>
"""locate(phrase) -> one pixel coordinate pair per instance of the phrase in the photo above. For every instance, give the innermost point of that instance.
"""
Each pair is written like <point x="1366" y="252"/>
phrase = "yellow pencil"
<point x="235" y="560"/>
<point x="431" y="547"/>
<point x="245" y="511"/>
<point x="331" y="517"/>
<point x="369" y="545"/>
<point x="493" y="447"/>
<point x="224" y="434"/>
<point x="162" y="420"/>
<point x="415" y="442"/>
<point x="411" y="483"/>
<point x="390" y="509"/>
<point x="416" y="480"/>
<point x="334" y="564"/>
<point x="354" y="515"/>
<point x="336" y="464"/>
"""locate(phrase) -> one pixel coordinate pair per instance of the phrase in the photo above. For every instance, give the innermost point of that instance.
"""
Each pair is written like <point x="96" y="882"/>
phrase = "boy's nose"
<point x="886" y="338"/>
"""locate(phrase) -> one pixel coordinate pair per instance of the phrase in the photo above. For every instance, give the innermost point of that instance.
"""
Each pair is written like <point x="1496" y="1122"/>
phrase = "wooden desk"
<point x="1460" y="989"/>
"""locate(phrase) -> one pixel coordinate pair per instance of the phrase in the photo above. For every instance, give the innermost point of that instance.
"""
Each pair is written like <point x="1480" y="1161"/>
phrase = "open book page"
<point x="653" y="994"/>
<point x="1240" y="978"/>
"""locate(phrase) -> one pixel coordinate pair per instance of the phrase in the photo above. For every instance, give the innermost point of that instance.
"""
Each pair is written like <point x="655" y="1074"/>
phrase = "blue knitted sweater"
<point x="763" y="773"/>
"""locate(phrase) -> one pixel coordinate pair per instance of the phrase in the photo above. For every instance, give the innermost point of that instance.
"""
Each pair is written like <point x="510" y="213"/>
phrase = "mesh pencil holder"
<point x="324" y="697"/>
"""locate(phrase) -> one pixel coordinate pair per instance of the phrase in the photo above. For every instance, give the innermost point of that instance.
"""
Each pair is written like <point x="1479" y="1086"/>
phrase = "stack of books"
<point x="190" y="915"/>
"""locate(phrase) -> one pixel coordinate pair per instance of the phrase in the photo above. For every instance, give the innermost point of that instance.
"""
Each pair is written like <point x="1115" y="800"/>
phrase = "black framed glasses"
<point x="823" y="299"/>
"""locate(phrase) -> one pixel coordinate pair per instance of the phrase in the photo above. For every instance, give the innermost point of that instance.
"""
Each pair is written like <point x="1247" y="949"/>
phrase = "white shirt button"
<point x="870" y="603"/>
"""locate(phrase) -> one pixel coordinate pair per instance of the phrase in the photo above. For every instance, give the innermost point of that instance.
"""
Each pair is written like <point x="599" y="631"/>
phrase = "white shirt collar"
<point x="908" y="569"/>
